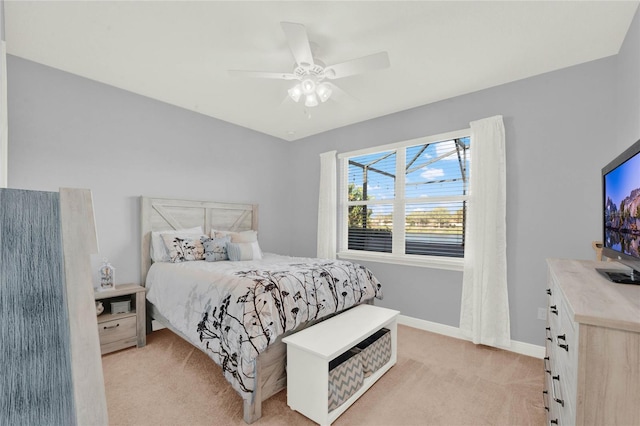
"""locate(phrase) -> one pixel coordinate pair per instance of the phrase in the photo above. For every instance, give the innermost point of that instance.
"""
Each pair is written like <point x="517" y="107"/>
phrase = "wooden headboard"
<point x="161" y="214"/>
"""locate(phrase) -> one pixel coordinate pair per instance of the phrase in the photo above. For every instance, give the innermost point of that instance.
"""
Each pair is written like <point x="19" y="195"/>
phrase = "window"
<point x="406" y="203"/>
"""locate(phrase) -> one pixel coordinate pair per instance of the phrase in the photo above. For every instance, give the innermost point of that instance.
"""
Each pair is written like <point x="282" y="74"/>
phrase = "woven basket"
<point x="375" y="351"/>
<point x="345" y="378"/>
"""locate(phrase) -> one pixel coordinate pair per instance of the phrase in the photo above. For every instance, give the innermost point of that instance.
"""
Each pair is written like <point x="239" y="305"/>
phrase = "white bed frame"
<point x="158" y="214"/>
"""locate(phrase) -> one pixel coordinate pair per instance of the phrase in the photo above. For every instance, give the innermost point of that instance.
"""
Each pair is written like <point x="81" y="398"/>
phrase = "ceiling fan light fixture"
<point x="311" y="73"/>
<point x="324" y="91"/>
<point x="311" y="100"/>
<point x="295" y="92"/>
<point x="308" y="86"/>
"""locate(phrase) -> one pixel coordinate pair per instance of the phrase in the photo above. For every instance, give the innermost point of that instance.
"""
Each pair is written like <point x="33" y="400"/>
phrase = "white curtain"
<point x="484" y="314"/>
<point x="327" y="206"/>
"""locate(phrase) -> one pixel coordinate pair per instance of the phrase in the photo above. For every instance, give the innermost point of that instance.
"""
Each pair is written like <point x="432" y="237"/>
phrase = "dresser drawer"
<point x="553" y="309"/>
<point x="567" y="328"/>
<point x="117" y="329"/>
<point x="547" y="398"/>
<point x="561" y="398"/>
<point x="560" y="367"/>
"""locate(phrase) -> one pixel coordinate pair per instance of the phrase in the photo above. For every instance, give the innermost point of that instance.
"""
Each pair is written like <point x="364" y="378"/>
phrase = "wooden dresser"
<point x="592" y="362"/>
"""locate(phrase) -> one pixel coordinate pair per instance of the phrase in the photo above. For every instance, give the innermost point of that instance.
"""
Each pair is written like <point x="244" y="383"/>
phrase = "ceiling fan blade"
<point x="298" y="42"/>
<point x="263" y="74"/>
<point x="340" y="95"/>
<point x="358" y="66"/>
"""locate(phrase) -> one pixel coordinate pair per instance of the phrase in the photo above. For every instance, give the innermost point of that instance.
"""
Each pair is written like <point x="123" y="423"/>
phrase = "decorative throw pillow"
<point x="184" y="248"/>
<point x="159" y="251"/>
<point x="249" y="236"/>
<point x="215" y="249"/>
<point x="244" y="251"/>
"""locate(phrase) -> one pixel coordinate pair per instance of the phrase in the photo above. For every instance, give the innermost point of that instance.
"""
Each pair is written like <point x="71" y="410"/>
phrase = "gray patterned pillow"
<point x="215" y="249"/>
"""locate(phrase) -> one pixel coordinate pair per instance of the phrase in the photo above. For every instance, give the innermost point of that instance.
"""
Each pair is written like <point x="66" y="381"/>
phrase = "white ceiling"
<point x="179" y="51"/>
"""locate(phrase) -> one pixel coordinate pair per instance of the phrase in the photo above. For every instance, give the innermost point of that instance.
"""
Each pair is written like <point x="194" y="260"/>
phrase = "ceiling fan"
<point x="312" y="73"/>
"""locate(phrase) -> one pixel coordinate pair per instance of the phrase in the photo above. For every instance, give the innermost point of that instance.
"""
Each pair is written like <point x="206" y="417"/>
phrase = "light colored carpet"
<point x="437" y="380"/>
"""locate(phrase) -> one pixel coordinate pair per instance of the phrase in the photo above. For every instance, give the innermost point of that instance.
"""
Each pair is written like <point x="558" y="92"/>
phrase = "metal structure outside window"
<point x="409" y="200"/>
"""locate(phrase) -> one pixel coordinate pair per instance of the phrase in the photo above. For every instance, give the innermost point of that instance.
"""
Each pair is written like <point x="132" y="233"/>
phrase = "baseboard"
<point x="447" y="330"/>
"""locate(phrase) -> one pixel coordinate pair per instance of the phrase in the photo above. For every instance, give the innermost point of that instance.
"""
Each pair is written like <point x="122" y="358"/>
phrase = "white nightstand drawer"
<point x="117" y="329"/>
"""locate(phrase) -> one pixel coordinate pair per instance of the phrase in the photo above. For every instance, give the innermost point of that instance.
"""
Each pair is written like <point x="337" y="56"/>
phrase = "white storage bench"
<point x="310" y="351"/>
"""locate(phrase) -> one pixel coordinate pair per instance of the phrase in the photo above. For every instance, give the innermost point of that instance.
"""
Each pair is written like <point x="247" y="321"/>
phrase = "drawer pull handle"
<point x="545" y="398"/>
<point x="111" y="326"/>
<point x="549" y="291"/>
<point x="553" y="384"/>
<point x="547" y="369"/>
<point x="563" y="346"/>
<point x="548" y="332"/>
<point x="554" y="309"/>
<point x="554" y="422"/>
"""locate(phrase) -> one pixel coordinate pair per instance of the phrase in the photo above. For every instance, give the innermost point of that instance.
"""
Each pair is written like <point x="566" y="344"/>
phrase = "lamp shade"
<point x="308" y="86"/>
<point x="295" y="93"/>
<point x="311" y="100"/>
<point x="311" y="90"/>
<point x="324" y="91"/>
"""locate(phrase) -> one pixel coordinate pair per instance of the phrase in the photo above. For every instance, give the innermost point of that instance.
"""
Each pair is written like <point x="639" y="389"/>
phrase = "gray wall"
<point x="628" y="89"/>
<point x="561" y="127"/>
<point x="67" y="131"/>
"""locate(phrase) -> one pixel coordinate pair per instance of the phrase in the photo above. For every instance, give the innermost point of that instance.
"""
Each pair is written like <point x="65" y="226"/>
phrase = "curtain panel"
<point x="327" y="206"/>
<point x="484" y="314"/>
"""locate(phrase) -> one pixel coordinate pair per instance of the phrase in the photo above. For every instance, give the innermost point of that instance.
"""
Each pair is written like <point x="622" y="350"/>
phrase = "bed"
<point x="238" y="311"/>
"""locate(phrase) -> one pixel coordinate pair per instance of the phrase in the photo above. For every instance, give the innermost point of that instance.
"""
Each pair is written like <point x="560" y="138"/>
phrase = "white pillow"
<point x="244" y="251"/>
<point x="249" y="236"/>
<point x="159" y="252"/>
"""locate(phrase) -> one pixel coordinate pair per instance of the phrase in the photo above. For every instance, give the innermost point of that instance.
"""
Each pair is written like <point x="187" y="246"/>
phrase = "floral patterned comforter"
<point x="234" y="310"/>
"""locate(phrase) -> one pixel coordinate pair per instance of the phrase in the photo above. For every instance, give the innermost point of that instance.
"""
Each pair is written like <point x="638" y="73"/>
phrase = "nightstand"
<point x="122" y="330"/>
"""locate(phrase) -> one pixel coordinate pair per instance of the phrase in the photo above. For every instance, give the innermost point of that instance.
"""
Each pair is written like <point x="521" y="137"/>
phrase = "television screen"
<point x="621" y="196"/>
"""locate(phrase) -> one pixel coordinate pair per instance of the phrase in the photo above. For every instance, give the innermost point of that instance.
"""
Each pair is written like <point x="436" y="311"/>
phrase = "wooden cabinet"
<point x="310" y="351"/>
<point x="592" y="360"/>
<point x="119" y="330"/>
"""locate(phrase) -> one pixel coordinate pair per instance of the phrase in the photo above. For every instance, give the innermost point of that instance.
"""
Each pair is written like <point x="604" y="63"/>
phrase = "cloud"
<point x="430" y="173"/>
<point x="444" y="147"/>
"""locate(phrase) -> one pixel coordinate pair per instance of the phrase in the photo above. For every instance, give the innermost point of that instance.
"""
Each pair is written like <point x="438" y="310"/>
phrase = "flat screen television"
<point x="621" y="215"/>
